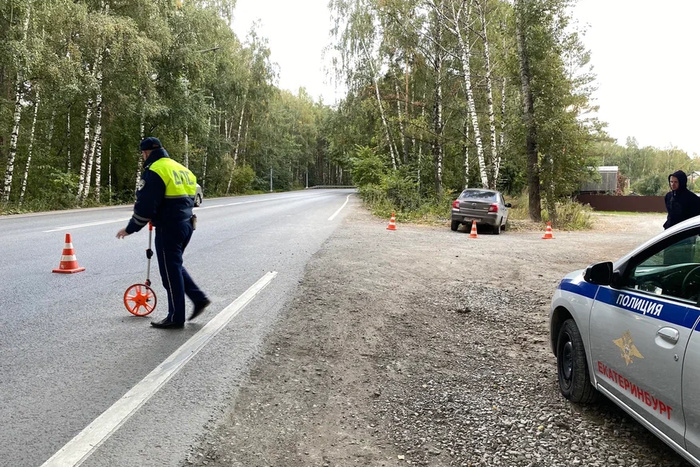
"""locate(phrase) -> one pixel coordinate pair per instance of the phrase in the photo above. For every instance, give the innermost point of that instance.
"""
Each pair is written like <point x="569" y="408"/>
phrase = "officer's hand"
<point x="122" y="233"/>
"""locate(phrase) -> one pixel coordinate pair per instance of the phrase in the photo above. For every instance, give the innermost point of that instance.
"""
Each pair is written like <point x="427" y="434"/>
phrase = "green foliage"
<point x="175" y="71"/>
<point x="398" y="197"/>
<point x="570" y="216"/>
<point x="402" y="192"/>
<point x="243" y="178"/>
<point x="652" y="185"/>
<point x="367" y="167"/>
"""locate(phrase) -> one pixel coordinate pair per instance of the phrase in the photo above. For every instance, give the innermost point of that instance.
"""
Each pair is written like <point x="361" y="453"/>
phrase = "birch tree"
<point x="17" y="117"/>
<point x="37" y="101"/>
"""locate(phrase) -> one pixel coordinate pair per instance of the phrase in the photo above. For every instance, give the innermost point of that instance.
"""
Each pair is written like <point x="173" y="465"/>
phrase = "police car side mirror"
<point x="599" y="273"/>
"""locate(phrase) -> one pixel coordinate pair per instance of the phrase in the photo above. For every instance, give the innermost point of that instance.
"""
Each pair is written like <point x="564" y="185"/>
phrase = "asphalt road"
<point x="70" y="350"/>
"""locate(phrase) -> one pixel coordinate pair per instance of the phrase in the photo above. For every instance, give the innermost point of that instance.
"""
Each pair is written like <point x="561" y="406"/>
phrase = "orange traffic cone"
<point x="473" y="232"/>
<point x="68" y="264"/>
<point x="548" y="232"/>
<point x="392" y="222"/>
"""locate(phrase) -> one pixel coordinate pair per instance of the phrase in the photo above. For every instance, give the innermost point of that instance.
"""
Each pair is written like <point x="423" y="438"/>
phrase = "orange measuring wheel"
<point x="140" y="299"/>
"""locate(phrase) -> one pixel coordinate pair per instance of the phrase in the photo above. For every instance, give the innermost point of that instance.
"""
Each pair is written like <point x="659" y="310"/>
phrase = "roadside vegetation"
<point x="441" y="95"/>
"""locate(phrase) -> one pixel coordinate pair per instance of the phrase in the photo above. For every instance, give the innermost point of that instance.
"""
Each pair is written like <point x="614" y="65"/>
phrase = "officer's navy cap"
<point x="150" y="143"/>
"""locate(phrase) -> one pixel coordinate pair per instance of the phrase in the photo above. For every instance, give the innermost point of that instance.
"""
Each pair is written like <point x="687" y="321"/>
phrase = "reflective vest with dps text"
<point x="179" y="181"/>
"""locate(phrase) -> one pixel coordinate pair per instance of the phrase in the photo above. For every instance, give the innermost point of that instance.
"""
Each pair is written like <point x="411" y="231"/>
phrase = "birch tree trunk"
<point x="96" y="137"/>
<point x="17" y="117"/>
<point x="186" y="161"/>
<point x="51" y="127"/>
<point x="109" y="174"/>
<point x="86" y="148"/>
<point x="245" y="140"/>
<point x="69" y="165"/>
<point x="375" y="81"/>
<point x="142" y="132"/>
<point x="98" y="152"/>
<point x="533" y="177"/>
<point x="465" y="51"/>
<point x="240" y="127"/>
<point x="495" y="158"/>
<point x="466" y="153"/>
<point x="31" y="145"/>
<point x="502" y="137"/>
<point x="404" y="146"/>
<point x="438" y="125"/>
<point x="420" y="144"/>
<point x="408" y="111"/>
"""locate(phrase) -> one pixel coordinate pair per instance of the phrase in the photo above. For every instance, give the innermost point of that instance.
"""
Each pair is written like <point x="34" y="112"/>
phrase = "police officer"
<point x="165" y="198"/>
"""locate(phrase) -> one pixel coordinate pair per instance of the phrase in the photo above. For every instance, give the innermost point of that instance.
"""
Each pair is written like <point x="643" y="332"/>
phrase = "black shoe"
<point x="198" y="309"/>
<point x="165" y="324"/>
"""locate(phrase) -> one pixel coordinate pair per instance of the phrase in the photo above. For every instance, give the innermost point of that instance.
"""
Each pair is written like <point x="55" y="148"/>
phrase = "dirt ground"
<point x="422" y="346"/>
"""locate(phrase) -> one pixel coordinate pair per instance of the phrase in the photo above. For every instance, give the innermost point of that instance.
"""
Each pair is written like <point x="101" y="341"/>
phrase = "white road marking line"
<point x="125" y="219"/>
<point x="340" y="208"/>
<point x="258" y="201"/>
<point x="90" y="224"/>
<point x="77" y="450"/>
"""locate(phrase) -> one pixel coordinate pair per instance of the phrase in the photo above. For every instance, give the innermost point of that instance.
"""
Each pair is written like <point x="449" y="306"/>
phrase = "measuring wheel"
<point x="140" y="299"/>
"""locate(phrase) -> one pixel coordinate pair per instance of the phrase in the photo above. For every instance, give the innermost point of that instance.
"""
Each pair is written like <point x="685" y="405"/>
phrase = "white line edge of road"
<point x="201" y="208"/>
<point x="340" y="208"/>
<point x="90" y="224"/>
<point x="77" y="450"/>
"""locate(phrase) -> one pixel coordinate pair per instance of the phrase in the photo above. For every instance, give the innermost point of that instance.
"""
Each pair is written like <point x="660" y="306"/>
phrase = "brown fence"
<point x="624" y="203"/>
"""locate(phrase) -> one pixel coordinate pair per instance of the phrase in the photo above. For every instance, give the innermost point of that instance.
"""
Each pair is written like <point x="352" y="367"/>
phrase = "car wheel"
<point x="455" y="225"/>
<point x="572" y="368"/>
<point x="496" y="229"/>
<point x="197" y="200"/>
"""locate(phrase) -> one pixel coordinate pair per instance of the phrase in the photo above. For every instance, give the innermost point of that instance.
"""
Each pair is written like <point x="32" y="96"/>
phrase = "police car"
<point x="630" y="330"/>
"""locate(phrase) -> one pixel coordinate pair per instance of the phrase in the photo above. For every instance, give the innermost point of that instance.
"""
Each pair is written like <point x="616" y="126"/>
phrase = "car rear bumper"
<point x="464" y="218"/>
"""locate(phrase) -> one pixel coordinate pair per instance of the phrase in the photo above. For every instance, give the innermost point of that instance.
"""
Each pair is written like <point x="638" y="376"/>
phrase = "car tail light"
<point x="493" y="208"/>
<point x="455" y="204"/>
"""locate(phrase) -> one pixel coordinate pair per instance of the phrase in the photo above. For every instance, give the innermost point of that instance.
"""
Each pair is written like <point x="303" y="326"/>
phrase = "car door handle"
<point x="669" y="334"/>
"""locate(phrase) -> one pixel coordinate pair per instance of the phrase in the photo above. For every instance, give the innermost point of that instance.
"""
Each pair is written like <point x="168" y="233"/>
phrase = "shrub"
<point x="571" y="215"/>
<point x="242" y="179"/>
<point x="367" y="167"/>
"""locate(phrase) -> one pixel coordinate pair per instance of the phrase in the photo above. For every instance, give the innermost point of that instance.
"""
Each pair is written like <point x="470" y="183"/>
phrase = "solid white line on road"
<point x="91" y="224"/>
<point x="77" y="450"/>
<point x="238" y="203"/>
<point x="340" y="208"/>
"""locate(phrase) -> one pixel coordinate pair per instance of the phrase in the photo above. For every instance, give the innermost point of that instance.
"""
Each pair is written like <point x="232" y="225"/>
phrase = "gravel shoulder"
<point x="422" y="346"/>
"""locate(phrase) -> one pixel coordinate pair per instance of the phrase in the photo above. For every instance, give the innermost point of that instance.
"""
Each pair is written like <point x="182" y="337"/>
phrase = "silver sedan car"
<point x="630" y="330"/>
<point x="486" y="207"/>
<point x="198" y="196"/>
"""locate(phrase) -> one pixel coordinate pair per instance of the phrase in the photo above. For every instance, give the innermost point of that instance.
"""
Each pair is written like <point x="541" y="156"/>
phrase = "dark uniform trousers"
<point x="171" y="241"/>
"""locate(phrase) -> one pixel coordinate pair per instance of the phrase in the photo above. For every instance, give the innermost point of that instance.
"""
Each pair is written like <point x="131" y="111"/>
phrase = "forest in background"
<point x="441" y="95"/>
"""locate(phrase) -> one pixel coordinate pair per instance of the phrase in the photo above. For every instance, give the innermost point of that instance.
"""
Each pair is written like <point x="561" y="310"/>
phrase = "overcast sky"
<point x="298" y="31"/>
<point x="645" y="55"/>
<point x="644" y="52"/>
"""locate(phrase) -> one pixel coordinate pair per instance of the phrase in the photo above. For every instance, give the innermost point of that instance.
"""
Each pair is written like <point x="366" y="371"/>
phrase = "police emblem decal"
<point x="627" y="348"/>
<point x="142" y="183"/>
